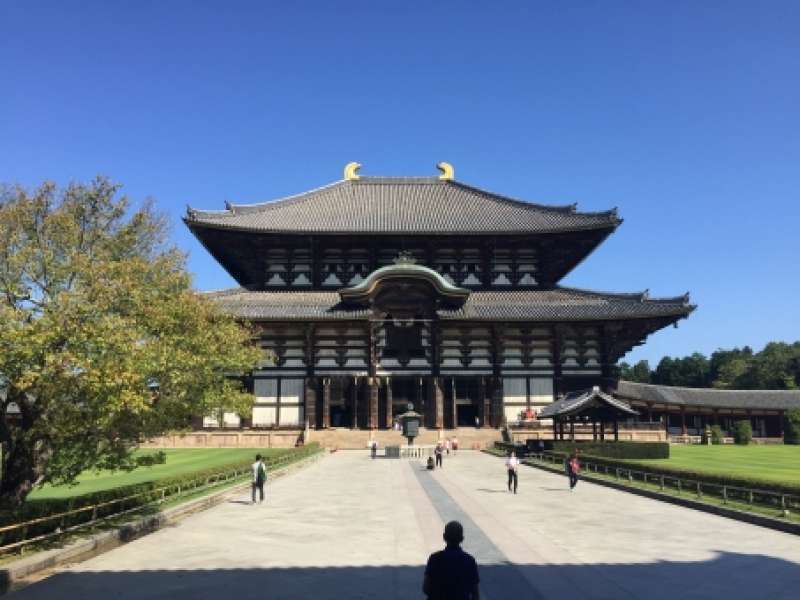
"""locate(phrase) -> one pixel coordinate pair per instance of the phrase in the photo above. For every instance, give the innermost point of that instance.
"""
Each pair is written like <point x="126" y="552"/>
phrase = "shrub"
<point x="791" y="426"/>
<point x="717" y="436"/>
<point x="742" y="432"/>
<point x="148" y="460"/>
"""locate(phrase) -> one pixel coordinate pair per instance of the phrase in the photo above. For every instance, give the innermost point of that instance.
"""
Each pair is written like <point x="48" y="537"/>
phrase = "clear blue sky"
<point x="685" y="115"/>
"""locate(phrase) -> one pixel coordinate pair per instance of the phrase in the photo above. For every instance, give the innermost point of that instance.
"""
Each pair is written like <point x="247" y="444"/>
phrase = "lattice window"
<point x="288" y="267"/>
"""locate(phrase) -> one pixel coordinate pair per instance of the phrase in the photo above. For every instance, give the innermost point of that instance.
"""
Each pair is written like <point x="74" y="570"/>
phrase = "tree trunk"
<point x="20" y="473"/>
<point x="24" y="455"/>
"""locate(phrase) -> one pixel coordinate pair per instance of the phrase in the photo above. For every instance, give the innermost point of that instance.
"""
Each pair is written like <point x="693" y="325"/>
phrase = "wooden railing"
<point x="781" y="502"/>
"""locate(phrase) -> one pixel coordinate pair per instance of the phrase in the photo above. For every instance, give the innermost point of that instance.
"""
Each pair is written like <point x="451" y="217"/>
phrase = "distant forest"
<point x="776" y="367"/>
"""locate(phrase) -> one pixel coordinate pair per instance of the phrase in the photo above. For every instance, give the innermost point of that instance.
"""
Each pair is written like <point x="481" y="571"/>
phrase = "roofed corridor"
<point x="351" y="527"/>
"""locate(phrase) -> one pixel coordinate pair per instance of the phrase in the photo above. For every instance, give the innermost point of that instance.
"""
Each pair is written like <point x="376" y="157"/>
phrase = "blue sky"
<point x="684" y="115"/>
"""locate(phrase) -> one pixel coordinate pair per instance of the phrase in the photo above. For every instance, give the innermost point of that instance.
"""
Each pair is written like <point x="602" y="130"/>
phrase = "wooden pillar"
<point x="354" y="403"/>
<point x="555" y="429"/>
<point x="594" y="430"/>
<point x="497" y="403"/>
<point x="453" y="406"/>
<point x="649" y="412"/>
<point x="438" y="403"/>
<point x="561" y="429"/>
<point x="278" y="405"/>
<point x="310" y="401"/>
<point x="481" y="402"/>
<point x="572" y="428"/>
<point x="684" y="431"/>
<point x="497" y="380"/>
<point x="781" y="421"/>
<point x="388" y="383"/>
<point x="602" y="431"/>
<point x="558" y="380"/>
<point x="616" y="430"/>
<point x="374" y="391"/>
<point x="326" y="402"/>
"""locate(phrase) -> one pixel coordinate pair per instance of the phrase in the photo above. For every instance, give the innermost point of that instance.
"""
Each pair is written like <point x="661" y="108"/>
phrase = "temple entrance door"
<point x="341" y="405"/>
<point x="467" y="400"/>
<point x="405" y="390"/>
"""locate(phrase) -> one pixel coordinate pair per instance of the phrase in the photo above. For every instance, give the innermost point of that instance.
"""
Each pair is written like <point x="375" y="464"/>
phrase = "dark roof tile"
<point x="559" y="304"/>
<point x="709" y="397"/>
<point x="420" y="205"/>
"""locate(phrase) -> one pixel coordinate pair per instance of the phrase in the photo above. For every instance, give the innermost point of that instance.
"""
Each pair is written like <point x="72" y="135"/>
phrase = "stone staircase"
<point x="357" y="439"/>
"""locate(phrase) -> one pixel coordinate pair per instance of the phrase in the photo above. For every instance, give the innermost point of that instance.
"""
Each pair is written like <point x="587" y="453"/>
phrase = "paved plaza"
<point x="350" y="527"/>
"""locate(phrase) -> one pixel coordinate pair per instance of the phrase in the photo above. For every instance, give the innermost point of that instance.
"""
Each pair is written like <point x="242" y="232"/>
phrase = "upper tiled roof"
<point x="709" y="397"/>
<point x="559" y="304"/>
<point x="425" y="205"/>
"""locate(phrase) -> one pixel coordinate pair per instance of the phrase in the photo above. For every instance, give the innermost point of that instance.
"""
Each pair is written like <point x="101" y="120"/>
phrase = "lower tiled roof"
<point x="559" y="304"/>
<point x="577" y="402"/>
<point x="709" y="397"/>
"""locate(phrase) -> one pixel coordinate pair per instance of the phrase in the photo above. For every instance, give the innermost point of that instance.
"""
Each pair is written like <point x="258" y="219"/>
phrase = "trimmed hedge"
<point x="742" y="432"/>
<point x="611" y="449"/>
<point x="791" y="427"/>
<point x="41" y="508"/>
<point x="717" y="437"/>
<point x="630" y="450"/>
<point x="703" y="477"/>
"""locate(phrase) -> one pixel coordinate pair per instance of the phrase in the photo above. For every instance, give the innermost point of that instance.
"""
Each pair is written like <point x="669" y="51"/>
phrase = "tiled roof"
<point x="423" y="205"/>
<point x="575" y="402"/>
<point x="559" y="304"/>
<point x="709" y="397"/>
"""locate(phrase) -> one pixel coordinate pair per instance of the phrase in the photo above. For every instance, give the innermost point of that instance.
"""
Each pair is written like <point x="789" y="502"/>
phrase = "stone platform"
<point x="352" y="527"/>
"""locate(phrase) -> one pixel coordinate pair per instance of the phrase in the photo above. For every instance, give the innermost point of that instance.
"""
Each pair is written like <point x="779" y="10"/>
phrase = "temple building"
<point x="373" y="292"/>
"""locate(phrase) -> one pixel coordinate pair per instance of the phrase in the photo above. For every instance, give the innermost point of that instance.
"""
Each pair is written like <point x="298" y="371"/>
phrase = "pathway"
<point x="351" y="527"/>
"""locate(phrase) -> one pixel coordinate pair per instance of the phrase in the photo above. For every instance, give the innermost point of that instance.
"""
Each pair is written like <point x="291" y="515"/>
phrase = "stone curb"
<point x="108" y="540"/>
<point x="731" y="513"/>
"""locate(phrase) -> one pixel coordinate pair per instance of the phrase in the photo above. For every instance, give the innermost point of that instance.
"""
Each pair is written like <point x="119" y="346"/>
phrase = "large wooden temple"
<point x="373" y="292"/>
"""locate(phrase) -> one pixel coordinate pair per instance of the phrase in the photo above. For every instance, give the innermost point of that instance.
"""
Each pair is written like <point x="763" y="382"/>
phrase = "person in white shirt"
<point x="512" y="462"/>
<point x="259" y="478"/>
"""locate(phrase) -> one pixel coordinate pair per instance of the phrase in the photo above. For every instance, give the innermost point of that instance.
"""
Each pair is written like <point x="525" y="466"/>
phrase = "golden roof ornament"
<point x="351" y="171"/>
<point x="446" y="169"/>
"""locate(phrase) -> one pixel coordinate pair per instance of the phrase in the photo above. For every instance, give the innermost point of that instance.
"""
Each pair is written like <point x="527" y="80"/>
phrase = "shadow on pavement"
<point x="727" y="575"/>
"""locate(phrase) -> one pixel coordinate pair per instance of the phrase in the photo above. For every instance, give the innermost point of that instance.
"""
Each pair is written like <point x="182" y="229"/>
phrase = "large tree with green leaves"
<point x="103" y="343"/>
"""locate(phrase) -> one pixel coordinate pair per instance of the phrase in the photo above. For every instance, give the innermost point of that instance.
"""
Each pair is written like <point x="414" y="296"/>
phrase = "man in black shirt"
<point x="451" y="574"/>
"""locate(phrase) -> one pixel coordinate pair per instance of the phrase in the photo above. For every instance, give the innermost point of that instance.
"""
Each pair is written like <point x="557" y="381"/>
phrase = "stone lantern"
<point x="410" y="420"/>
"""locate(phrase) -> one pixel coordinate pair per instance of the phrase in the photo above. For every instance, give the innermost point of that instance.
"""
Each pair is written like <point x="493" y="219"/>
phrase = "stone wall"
<point x="228" y="439"/>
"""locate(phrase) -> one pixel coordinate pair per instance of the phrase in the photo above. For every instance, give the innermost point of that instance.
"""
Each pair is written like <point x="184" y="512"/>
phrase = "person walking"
<point x="447" y="446"/>
<point x="573" y="468"/>
<point x="373" y="446"/>
<point x="512" y="463"/>
<point x="455" y="445"/>
<point x="451" y="574"/>
<point x="259" y="479"/>
<point x="437" y="452"/>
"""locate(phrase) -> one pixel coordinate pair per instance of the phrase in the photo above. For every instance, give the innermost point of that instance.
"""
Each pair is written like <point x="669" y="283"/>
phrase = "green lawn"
<point x="777" y="463"/>
<point x="179" y="461"/>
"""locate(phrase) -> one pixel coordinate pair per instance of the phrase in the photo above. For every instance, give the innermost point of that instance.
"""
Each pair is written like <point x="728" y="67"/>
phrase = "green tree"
<point x="690" y="371"/>
<point x="103" y="343"/>
<point x="641" y="372"/>
<point x="719" y="365"/>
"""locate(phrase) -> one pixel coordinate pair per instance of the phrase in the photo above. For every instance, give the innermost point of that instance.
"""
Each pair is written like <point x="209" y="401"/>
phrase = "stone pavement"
<point x="351" y="527"/>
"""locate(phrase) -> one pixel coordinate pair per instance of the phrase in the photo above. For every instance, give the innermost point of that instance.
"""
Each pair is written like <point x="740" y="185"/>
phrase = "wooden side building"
<point x="373" y="292"/>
